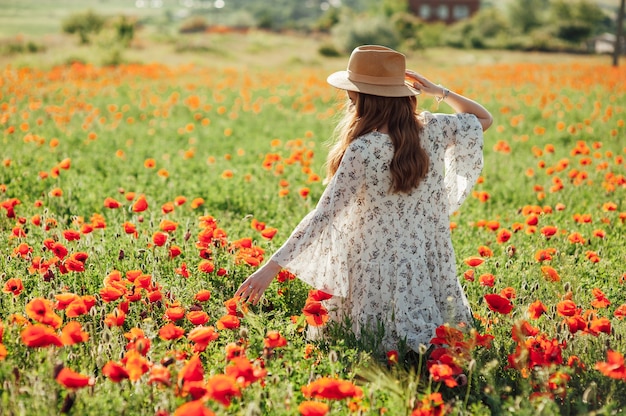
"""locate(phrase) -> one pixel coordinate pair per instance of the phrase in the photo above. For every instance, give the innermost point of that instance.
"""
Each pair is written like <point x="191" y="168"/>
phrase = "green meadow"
<point x="134" y="199"/>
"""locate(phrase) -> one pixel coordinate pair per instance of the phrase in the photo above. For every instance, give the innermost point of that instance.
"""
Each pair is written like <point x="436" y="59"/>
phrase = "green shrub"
<point x="17" y="45"/>
<point x="328" y="50"/>
<point x="85" y="24"/>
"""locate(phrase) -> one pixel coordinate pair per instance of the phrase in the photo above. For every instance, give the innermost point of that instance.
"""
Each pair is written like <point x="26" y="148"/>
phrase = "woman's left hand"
<point x="253" y="287"/>
<point x="422" y="84"/>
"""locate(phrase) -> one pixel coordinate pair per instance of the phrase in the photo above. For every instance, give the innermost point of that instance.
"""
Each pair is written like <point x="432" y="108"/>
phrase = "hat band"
<point x="368" y="79"/>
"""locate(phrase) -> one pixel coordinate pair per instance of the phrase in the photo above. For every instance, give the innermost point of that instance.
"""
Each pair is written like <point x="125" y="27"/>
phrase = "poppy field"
<point x="135" y="199"/>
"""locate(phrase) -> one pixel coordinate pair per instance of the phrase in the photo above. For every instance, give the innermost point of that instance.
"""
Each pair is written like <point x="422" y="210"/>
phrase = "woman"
<point x="379" y="238"/>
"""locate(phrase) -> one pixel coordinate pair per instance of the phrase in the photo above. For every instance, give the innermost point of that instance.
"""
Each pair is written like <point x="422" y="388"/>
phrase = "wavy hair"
<point x="409" y="164"/>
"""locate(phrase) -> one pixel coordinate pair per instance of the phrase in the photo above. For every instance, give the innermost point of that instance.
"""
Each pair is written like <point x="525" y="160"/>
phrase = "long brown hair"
<point x="409" y="164"/>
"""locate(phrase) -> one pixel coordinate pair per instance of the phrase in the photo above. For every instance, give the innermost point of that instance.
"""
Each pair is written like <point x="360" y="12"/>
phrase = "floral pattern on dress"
<point x="388" y="257"/>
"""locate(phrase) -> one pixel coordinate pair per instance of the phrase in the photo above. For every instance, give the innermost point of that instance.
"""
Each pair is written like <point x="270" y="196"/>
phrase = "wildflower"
<point x="274" y="339"/>
<point x="222" y="388"/>
<point x="72" y="380"/>
<point x="114" y="371"/>
<point x="548" y="231"/>
<point x="40" y="310"/>
<point x="315" y="313"/>
<point x="613" y="367"/>
<point x="203" y="295"/>
<point x="313" y="408"/>
<point x="14" y="285"/>
<point x="392" y="357"/>
<point x="37" y="335"/>
<point x="141" y="204"/>
<point x="331" y="388"/>
<point x="170" y="331"/>
<point x="269" y="233"/>
<point x="198" y="317"/>
<point x="503" y="236"/>
<point x="550" y="274"/>
<point x="487" y="279"/>
<point x="73" y="333"/>
<point x="159" y="239"/>
<point x="244" y="372"/>
<point x="536" y="309"/>
<point x="228" y="322"/>
<point x="498" y="303"/>
<point x="442" y="373"/>
<point x="193" y="408"/>
<point x="474" y="261"/>
<point x="201" y="336"/>
<point x="600" y="300"/>
<point x="566" y="308"/>
<point x="159" y="374"/>
<point x="136" y="364"/>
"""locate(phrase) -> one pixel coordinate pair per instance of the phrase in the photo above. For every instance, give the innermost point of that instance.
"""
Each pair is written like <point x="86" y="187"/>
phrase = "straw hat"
<point x="374" y="70"/>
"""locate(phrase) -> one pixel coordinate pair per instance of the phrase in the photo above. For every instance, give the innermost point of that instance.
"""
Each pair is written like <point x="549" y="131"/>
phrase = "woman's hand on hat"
<point x="421" y="83"/>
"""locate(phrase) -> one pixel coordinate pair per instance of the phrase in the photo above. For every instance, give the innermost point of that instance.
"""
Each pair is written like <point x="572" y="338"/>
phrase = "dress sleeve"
<point x="463" y="159"/>
<point x="316" y="252"/>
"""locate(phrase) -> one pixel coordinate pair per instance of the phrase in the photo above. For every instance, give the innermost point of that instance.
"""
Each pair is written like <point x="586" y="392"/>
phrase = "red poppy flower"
<point x="193" y="408"/>
<point x="40" y="310"/>
<point x="598" y="325"/>
<point x="503" y="236"/>
<point x="159" y="238"/>
<point x="550" y="274"/>
<point x="228" y="322"/>
<point x="269" y="233"/>
<point x="170" y="331"/>
<point x="202" y="334"/>
<point x="35" y="336"/>
<point x="71" y="235"/>
<point x="548" y="231"/>
<point x="244" y="372"/>
<point x="313" y="408"/>
<point x="318" y="295"/>
<point x="499" y="303"/>
<point x="315" y="313"/>
<point x="73" y="380"/>
<point x="203" y="295"/>
<point x="140" y="204"/>
<point x="442" y="373"/>
<point x="392" y="357"/>
<point x="331" y="388"/>
<point x="160" y="374"/>
<point x="614" y="366"/>
<point x="273" y="339"/>
<point x="136" y="364"/>
<point x="206" y="266"/>
<point x="198" y="317"/>
<point x="114" y="371"/>
<point x="174" y="313"/>
<point x="566" y="308"/>
<point x="72" y="333"/>
<point x="14" y="285"/>
<point x="222" y="388"/>
<point x="487" y="279"/>
<point x="474" y="261"/>
<point x="536" y="309"/>
<point x="168" y="226"/>
<point x="600" y="300"/>
<point x="111" y="203"/>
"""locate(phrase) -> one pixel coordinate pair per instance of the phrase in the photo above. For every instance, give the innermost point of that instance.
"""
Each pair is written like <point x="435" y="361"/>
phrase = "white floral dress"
<point x="387" y="257"/>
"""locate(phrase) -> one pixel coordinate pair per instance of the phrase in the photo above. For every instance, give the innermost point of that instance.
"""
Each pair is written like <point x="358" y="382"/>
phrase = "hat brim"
<point x="340" y="80"/>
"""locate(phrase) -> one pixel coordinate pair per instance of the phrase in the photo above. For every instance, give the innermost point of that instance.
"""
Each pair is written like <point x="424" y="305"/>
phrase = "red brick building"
<point x="448" y="11"/>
